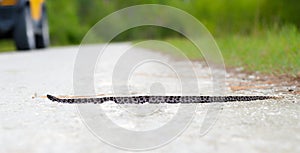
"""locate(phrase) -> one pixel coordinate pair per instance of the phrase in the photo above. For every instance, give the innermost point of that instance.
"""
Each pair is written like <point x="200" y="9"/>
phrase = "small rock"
<point x="239" y="69"/>
<point x="34" y="95"/>
<point x="251" y="77"/>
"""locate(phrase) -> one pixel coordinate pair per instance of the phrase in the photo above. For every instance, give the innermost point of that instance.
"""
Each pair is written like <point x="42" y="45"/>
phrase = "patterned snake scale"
<point x="159" y="99"/>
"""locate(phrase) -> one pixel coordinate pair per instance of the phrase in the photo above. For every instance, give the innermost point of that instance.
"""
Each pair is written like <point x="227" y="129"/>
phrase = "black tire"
<point x="42" y="38"/>
<point x="24" y="30"/>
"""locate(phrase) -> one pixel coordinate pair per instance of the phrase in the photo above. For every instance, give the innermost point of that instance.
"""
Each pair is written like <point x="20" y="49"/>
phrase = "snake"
<point x="158" y="99"/>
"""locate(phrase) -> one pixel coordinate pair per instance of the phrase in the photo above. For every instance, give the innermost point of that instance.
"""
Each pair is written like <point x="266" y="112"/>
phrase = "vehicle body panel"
<point x="8" y="2"/>
<point x="36" y="9"/>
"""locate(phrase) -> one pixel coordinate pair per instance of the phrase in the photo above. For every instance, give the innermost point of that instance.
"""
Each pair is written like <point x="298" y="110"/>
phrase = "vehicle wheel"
<point x="42" y="39"/>
<point x="24" y="30"/>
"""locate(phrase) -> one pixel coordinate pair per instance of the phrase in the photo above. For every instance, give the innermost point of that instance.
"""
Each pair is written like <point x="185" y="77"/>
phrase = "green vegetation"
<point x="274" y="51"/>
<point x="70" y="19"/>
<point x="6" y="45"/>
<point x="250" y="33"/>
<point x="271" y="51"/>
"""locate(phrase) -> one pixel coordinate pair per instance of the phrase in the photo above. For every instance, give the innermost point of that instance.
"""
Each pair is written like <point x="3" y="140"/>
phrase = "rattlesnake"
<point x="159" y="99"/>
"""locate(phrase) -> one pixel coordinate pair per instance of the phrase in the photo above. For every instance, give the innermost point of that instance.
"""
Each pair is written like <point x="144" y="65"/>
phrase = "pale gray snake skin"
<point x="159" y="99"/>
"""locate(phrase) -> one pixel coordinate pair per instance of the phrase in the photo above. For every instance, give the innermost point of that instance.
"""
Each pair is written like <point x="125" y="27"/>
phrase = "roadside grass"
<point x="273" y="51"/>
<point x="6" y="46"/>
<point x="270" y="51"/>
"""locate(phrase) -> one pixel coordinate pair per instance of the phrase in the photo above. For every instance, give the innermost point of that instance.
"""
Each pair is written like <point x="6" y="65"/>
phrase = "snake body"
<point x="158" y="99"/>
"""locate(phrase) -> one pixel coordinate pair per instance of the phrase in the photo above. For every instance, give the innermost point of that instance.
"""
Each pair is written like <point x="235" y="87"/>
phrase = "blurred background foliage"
<point x="70" y="19"/>
<point x="258" y="35"/>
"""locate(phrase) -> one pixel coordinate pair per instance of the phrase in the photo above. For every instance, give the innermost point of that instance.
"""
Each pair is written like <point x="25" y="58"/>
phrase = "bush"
<point x="70" y="19"/>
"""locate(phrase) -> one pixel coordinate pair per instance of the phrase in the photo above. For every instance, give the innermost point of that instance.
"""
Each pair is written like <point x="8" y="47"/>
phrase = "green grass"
<point x="270" y="51"/>
<point x="6" y="46"/>
<point x="275" y="51"/>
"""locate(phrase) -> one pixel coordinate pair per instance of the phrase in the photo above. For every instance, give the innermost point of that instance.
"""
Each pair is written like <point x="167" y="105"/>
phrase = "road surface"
<point x="35" y="125"/>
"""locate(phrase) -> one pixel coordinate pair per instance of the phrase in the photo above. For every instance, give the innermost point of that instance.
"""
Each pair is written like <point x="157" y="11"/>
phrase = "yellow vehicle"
<point x="26" y="22"/>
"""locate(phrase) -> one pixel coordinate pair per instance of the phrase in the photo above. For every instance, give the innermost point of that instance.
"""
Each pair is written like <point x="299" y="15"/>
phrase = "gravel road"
<point x="36" y="125"/>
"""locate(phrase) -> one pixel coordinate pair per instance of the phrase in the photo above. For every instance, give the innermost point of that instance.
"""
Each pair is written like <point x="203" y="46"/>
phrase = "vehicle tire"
<point x="24" y="30"/>
<point x="42" y="38"/>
